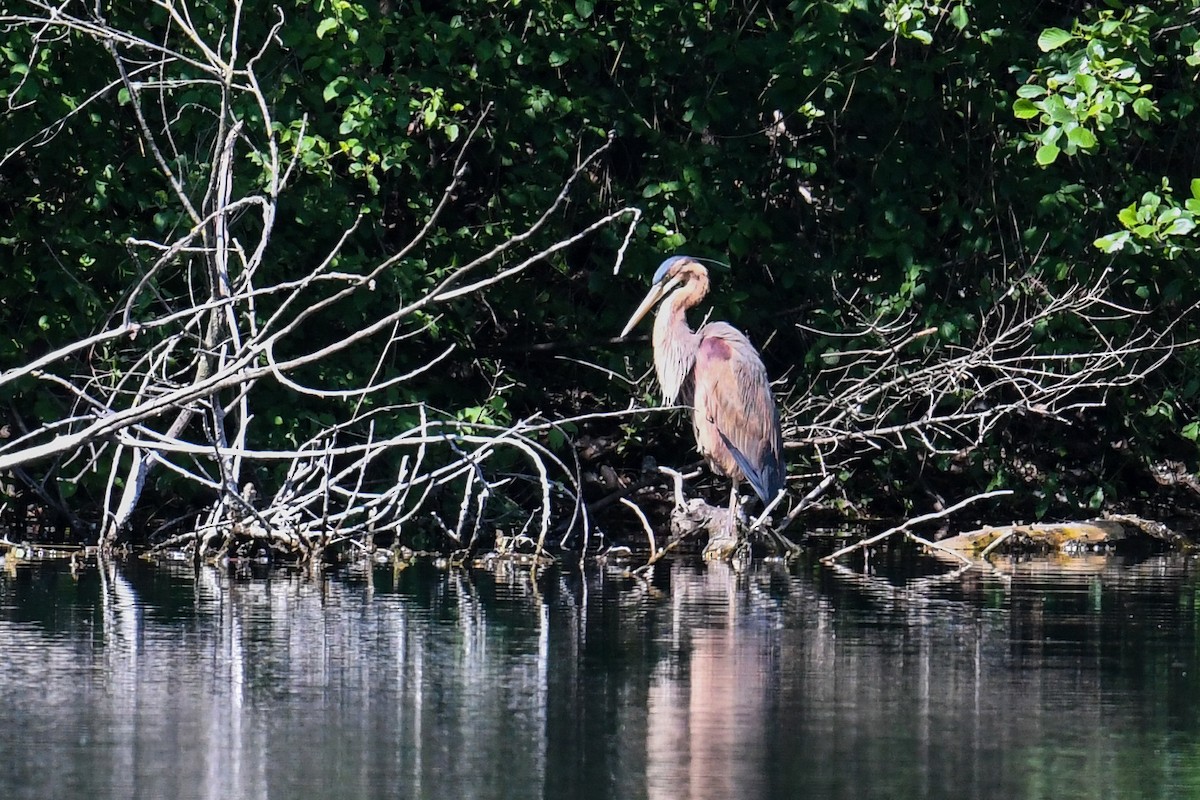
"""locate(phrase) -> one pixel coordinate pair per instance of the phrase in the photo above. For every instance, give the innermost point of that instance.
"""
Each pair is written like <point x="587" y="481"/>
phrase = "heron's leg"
<point x="733" y="508"/>
<point x="739" y="557"/>
<point x="723" y="541"/>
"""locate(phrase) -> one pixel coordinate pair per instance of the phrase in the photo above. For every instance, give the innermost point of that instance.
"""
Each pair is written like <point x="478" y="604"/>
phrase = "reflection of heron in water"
<point x="709" y="720"/>
<point x="719" y="373"/>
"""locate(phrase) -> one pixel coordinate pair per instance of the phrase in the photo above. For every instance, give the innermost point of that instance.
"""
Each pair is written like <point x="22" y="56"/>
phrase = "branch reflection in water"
<point x="1042" y="679"/>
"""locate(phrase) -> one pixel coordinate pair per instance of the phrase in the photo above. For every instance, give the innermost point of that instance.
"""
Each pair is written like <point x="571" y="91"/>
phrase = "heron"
<point x="721" y="376"/>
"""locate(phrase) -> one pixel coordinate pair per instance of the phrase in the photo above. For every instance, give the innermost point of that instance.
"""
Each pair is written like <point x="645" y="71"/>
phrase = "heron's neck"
<point x="675" y="344"/>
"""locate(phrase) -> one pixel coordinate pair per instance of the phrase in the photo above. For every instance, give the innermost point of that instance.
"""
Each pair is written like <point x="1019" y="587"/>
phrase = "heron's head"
<point x="673" y="272"/>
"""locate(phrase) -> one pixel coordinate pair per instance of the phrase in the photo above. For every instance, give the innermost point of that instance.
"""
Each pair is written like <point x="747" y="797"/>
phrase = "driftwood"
<point x="690" y="519"/>
<point x="697" y="520"/>
<point x="1060" y="536"/>
<point x="721" y="528"/>
<point x="1043" y="537"/>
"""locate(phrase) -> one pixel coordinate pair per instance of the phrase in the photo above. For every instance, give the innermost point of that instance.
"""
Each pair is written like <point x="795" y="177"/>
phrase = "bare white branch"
<point x="176" y="380"/>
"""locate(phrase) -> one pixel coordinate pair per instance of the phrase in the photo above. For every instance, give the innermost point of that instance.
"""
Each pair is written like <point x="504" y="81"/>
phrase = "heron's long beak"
<point x="657" y="292"/>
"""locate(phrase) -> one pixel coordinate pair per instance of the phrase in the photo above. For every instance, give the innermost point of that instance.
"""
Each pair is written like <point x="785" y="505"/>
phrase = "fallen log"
<point x="1060" y="536"/>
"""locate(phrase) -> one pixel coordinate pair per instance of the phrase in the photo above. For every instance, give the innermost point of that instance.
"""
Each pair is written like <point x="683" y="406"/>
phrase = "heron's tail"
<point x="766" y="480"/>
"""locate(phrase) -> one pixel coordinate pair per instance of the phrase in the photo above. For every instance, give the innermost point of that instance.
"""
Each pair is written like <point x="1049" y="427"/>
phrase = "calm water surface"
<point x="1039" y="680"/>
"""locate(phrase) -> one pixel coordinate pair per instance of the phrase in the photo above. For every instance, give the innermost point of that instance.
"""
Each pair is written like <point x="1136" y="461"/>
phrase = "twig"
<point x="806" y="502"/>
<point x="932" y="545"/>
<point x="879" y="537"/>
<point x="625" y="501"/>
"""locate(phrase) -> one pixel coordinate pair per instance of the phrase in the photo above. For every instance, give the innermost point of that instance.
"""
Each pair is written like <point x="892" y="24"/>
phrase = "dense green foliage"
<point x="925" y="156"/>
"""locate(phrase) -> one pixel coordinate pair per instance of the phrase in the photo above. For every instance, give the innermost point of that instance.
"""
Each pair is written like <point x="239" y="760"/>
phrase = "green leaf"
<point x="1025" y="109"/>
<point x="1168" y="215"/>
<point x="1190" y="431"/>
<point x="1082" y="137"/>
<point x="1047" y="153"/>
<point x="1057" y="109"/>
<point x="1196" y="188"/>
<point x="334" y="88"/>
<point x="326" y="25"/>
<point x="1128" y="216"/>
<point x="1144" y="107"/>
<point x="1112" y="242"/>
<point x="1052" y="39"/>
<point x="1180" y="227"/>
<point x="958" y="17"/>
<point x="1030" y="90"/>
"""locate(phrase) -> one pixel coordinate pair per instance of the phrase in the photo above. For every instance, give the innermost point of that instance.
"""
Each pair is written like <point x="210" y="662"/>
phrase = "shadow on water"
<point x="1078" y="678"/>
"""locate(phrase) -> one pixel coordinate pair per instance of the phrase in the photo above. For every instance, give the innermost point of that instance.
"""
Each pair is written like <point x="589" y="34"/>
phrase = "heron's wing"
<point x="736" y="420"/>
